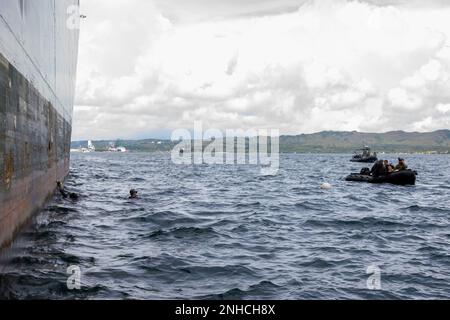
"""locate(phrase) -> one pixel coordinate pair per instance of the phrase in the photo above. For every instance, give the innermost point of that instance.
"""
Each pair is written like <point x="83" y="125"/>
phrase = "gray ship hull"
<point x="38" y="55"/>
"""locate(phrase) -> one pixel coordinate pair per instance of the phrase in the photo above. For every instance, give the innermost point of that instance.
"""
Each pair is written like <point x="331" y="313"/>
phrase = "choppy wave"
<point x="226" y="232"/>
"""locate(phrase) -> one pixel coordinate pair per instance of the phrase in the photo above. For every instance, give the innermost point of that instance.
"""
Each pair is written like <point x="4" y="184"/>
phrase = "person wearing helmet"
<point x="401" y="165"/>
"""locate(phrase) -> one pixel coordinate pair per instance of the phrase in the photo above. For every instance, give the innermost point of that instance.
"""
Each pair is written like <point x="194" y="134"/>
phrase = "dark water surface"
<point x="228" y="232"/>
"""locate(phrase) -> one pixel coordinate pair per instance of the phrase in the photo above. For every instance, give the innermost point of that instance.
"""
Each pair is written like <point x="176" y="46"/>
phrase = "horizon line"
<point x="282" y="135"/>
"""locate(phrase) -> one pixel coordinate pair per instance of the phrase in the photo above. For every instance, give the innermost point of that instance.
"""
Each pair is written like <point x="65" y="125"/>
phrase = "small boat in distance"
<point x="90" y="148"/>
<point x="112" y="148"/>
<point x="365" y="156"/>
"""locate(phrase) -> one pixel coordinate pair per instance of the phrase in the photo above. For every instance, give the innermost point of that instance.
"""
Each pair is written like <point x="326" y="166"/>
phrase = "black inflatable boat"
<point x="370" y="159"/>
<point x="405" y="177"/>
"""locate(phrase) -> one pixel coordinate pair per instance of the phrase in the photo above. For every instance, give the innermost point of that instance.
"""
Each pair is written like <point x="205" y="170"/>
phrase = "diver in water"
<point x="378" y="169"/>
<point x="133" y="194"/>
<point x="401" y="165"/>
<point x="65" y="194"/>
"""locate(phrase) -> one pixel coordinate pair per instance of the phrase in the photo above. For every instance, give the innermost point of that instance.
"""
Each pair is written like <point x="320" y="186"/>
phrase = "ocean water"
<point x="228" y="232"/>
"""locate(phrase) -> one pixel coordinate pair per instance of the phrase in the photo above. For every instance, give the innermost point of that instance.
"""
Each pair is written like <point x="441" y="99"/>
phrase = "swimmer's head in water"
<point x="133" y="193"/>
<point x="73" y="196"/>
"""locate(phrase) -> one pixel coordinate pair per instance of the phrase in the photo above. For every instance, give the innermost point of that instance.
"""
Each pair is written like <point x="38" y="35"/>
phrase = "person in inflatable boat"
<point x="401" y="165"/>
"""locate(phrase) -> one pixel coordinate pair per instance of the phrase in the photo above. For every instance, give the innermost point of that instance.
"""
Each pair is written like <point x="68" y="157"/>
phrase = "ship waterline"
<point x="37" y="79"/>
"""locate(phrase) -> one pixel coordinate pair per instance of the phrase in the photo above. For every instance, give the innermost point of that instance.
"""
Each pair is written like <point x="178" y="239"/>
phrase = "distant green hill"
<point x="322" y="142"/>
<point x="394" y="141"/>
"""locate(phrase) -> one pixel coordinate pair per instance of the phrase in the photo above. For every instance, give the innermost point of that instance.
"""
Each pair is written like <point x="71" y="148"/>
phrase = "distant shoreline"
<point x="326" y="142"/>
<point x="283" y="152"/>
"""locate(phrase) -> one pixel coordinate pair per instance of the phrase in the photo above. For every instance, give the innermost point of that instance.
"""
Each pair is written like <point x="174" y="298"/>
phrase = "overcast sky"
<point x="148" y="67"/>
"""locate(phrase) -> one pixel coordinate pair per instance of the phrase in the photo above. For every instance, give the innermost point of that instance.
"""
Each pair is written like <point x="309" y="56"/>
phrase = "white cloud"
<point x="329" y="65"/>
<point x="443" y="108"/>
